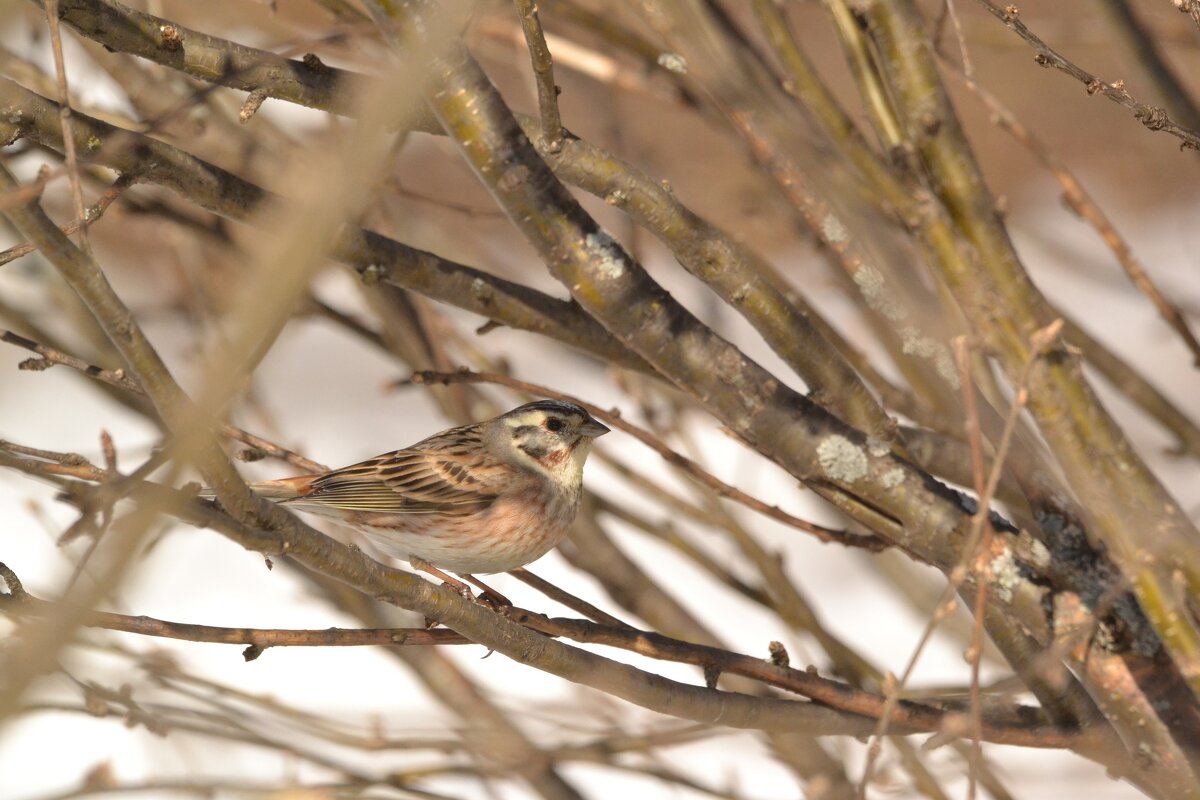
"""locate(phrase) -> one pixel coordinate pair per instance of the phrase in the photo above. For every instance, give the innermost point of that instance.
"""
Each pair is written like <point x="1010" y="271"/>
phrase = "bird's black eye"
<point x="554" y="424"/>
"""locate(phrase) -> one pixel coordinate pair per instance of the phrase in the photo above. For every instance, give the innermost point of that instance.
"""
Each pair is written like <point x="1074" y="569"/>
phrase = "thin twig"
<point x="967" y="67"/>
<point x="543" y="72"/>
<point x="1153" y="117"/>
<point x="257" y="638"/>
<point x="567" y="599"/>
<point x="93" y="213"/>
<point x="118" y="378"/>
<point x="983" y="575"/>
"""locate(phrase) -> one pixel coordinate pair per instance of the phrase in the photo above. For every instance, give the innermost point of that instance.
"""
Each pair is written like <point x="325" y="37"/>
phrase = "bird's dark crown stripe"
<point x="550" y="405"/>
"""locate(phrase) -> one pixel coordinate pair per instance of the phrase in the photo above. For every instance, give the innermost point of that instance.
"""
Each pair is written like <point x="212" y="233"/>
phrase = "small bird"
<point x="482" y="498"/>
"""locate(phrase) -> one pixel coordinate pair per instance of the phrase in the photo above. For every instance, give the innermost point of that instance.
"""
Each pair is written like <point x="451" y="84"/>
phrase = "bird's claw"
<point x="493" y="601"/>
<point x="496" y="602"/>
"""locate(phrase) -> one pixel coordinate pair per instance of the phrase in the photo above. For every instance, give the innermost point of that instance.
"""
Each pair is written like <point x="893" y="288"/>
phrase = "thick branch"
<point x="1122" y="500"/>
<point x="306" y="82"/>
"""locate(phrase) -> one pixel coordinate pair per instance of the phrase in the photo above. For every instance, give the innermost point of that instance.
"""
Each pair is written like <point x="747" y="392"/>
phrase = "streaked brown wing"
<point x="405" y="482"/>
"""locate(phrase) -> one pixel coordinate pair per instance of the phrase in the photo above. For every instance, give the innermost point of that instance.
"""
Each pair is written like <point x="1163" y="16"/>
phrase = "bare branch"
<point x="1153" y="117"/>
<point x="543" y="72"/>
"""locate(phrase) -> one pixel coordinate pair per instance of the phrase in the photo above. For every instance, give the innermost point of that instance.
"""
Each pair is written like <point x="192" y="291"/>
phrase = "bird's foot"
<point x="490" y="597"/>
<point x="496" y="602"/>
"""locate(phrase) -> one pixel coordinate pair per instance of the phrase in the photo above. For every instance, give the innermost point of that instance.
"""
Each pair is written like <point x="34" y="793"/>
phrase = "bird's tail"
<point x="278" y="490"/>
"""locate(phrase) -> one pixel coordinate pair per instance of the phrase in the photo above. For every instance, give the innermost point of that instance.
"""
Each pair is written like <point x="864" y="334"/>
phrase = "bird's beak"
<point x="592" y="428"/>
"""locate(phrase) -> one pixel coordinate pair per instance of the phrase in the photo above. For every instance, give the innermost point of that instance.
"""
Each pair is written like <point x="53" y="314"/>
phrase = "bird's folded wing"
<point x="405" y="482"/>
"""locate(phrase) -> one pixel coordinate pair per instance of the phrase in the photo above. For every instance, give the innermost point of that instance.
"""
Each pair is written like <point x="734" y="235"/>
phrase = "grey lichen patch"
<point x="1006" y="575"/>
<point x="874" y="290"/>
<point x="944" y="363"/>
<point x="1105" y="638"/>
<point x="1146" y="756"/>
<point x="480" y="290"/>
<point x="841" y="459"/>
<point x="605" y="254"/>
<point x="926" y="347"/>
<point x="673" y="62"/>
<point x="878" y="447"/>
<point x="892" y="478"/>
<point x="1040" y="555"/>
<point x="832" y="230"/>
<point x="372" y="274"/>
<point x="513" y="177"/>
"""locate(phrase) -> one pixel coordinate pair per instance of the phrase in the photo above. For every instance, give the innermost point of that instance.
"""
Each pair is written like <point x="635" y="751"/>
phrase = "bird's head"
<point x="549" y="436"/>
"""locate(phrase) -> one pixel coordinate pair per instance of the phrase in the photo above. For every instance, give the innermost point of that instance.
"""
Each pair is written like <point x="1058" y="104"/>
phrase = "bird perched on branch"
<point x="482" y="498"/>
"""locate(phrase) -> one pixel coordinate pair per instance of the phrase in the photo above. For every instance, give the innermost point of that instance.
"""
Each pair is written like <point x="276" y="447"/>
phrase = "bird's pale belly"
<point x="511" y="533"/>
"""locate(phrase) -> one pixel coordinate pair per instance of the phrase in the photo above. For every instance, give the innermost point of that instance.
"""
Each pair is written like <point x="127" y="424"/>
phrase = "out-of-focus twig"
<point x="377" y="258"/>
<point x="93" y="213"/>
<point x="64" y="101"/>
<point x="118" y="378"/>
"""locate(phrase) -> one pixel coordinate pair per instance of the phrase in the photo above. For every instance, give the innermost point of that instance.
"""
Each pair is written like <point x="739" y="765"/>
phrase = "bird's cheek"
<point x="554" y="458"/>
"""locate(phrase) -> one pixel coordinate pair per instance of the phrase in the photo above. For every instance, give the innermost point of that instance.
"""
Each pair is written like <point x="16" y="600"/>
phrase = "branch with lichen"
<point x="1119" y="494"/>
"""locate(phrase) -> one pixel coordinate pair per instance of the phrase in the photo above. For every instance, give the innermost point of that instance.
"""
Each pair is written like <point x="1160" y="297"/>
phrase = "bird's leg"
<point x="497" y="599"/>
<point x="490" y="596"/>
<point x="454" y="583"/>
